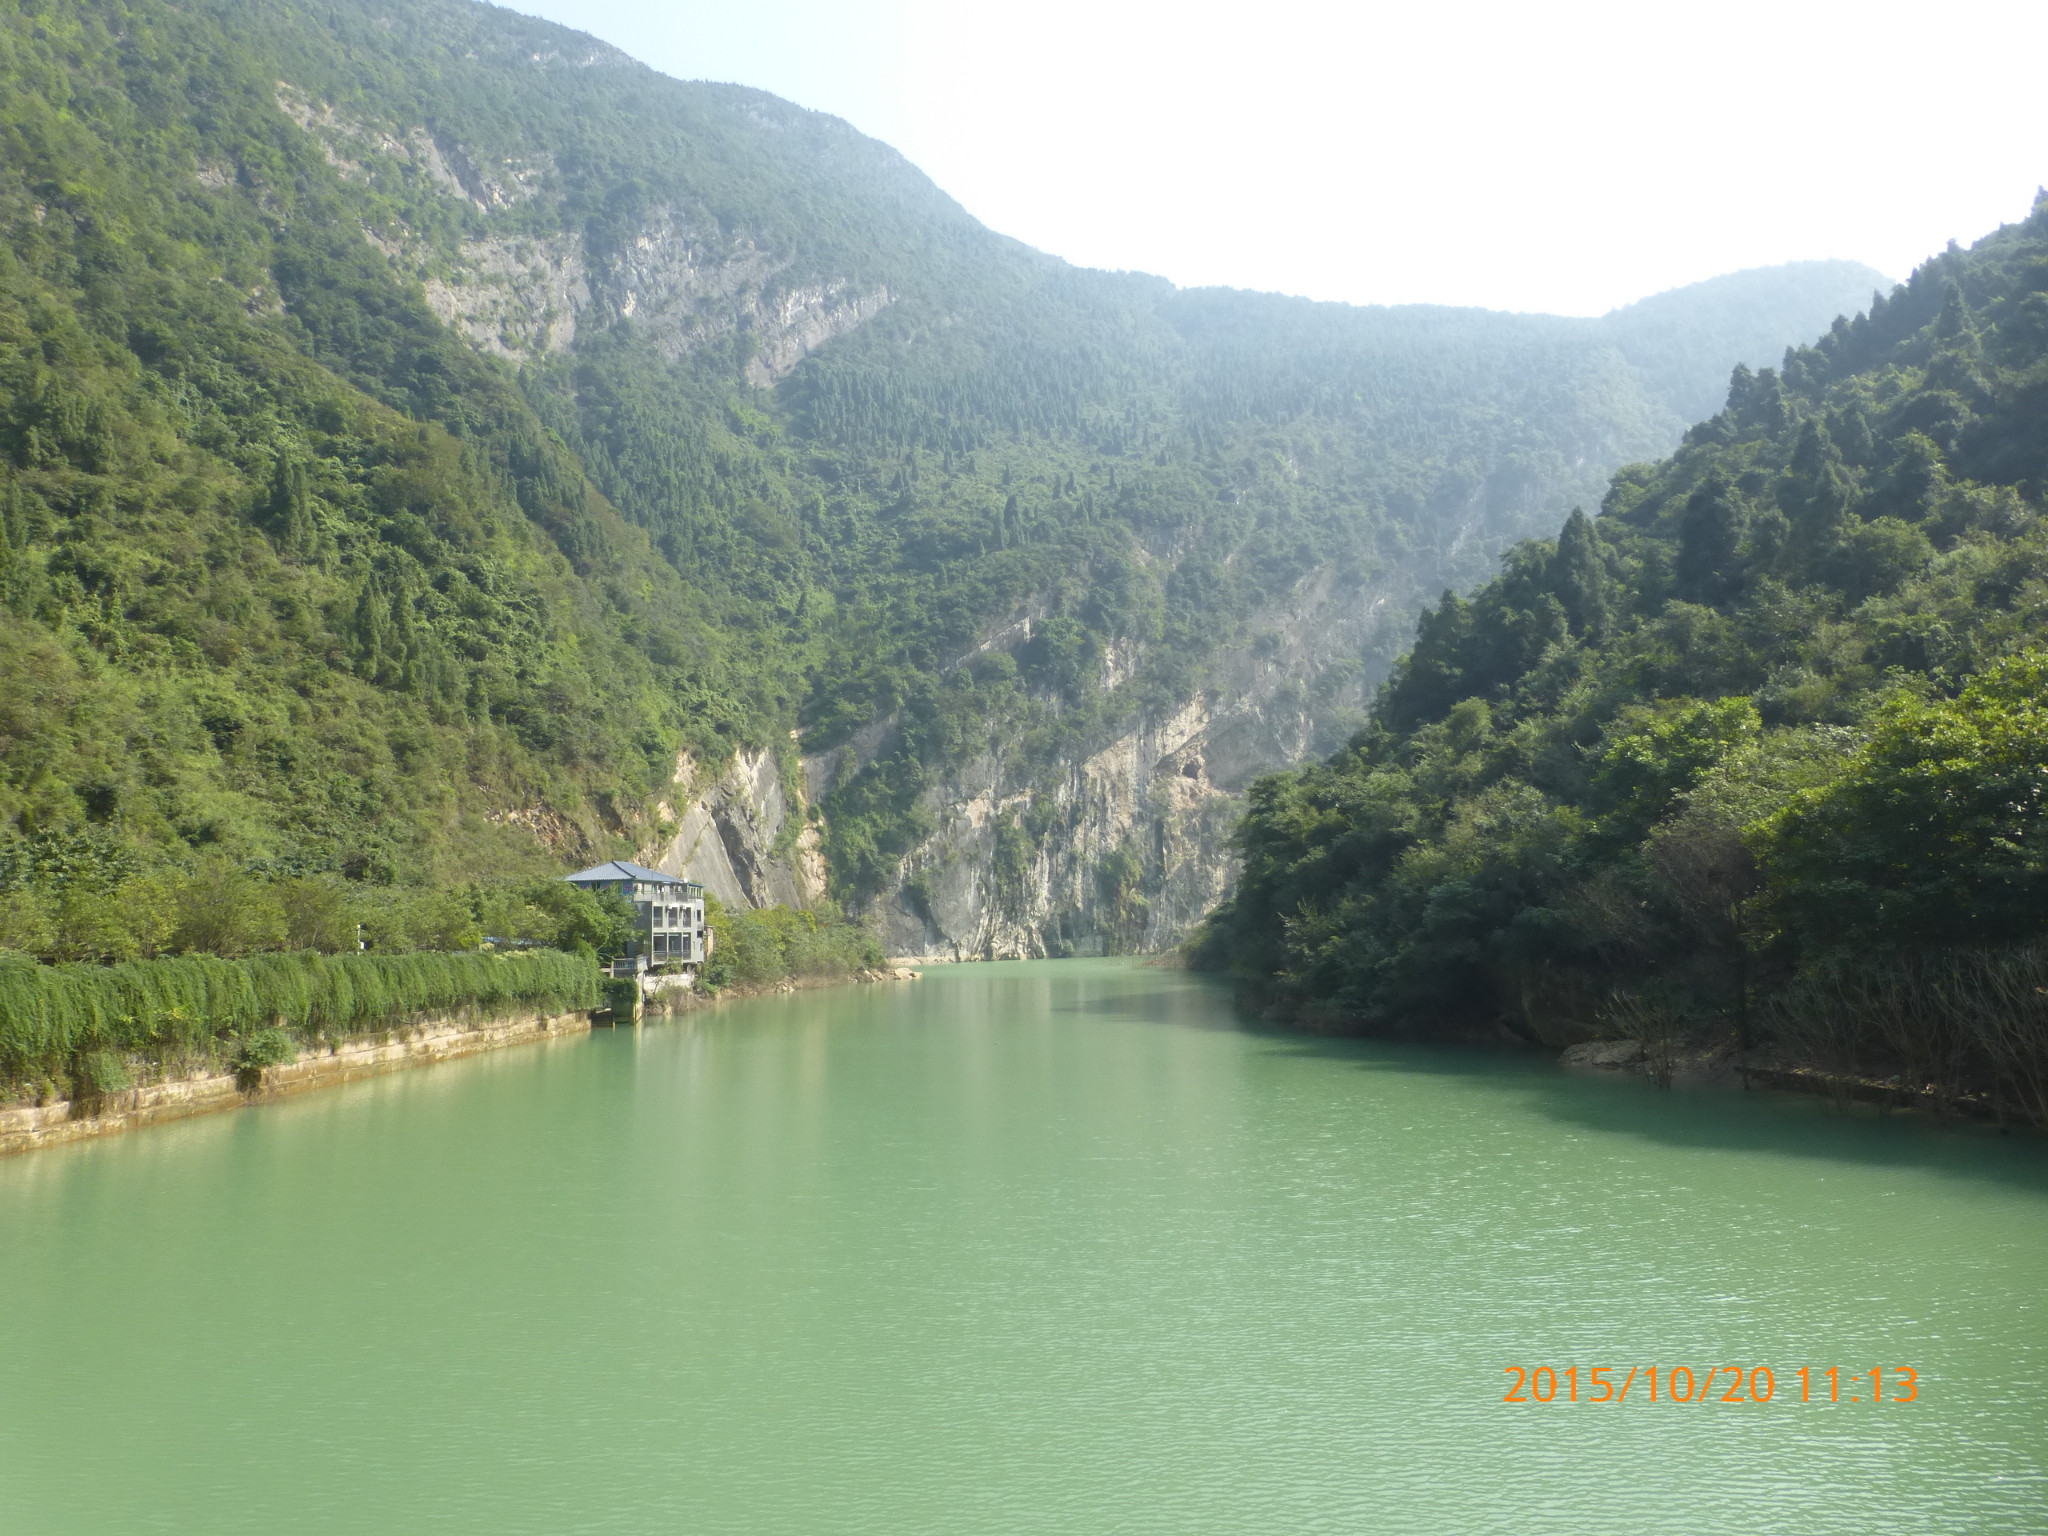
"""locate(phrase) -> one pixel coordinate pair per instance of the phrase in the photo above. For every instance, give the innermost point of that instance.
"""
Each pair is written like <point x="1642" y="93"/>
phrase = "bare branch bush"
<point x="1653" y="1025"/>
<point x="1947" y="1025"/>
<point x="2001" y="999"/>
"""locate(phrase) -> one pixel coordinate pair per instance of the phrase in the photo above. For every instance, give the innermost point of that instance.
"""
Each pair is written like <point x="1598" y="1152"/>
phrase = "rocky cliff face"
<point x="738" y="835"/>
<point x="686" y="287"/>
<point x="1131" y="847"/>
<point x="687" y="284"/>
<point x="1124" y="853"/>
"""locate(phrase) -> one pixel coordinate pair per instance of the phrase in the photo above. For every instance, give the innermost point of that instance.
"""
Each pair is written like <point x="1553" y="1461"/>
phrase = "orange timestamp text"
<point x="1710" y="1384"/>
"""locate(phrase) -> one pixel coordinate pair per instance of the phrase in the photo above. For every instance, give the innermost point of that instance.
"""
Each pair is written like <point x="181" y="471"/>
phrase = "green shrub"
<point x="317" y="914"/>
<point x="262" y="1048"/>
<point x="1934" y="832"/>
<point x="53" y="1017"/>
<point x="764" y="945"/>
<point x="98" y="1074"/>
<point x="99" y="912"/>
<point x="222" y="911"/>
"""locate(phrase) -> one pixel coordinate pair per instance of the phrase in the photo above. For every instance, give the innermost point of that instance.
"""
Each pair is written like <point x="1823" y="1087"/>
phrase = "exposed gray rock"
<point x="517" y="298"/>
<point x="1161" y="798"/>
<point x="685" y="284"/>
<point x="803" y="320"/>
<point x="727" y="834"/>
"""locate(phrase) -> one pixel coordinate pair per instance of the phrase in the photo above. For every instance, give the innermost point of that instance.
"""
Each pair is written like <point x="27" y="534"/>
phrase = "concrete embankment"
<point x="29" y="1128"/>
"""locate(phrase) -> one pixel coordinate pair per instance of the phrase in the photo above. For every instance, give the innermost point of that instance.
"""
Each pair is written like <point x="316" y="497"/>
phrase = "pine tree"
<point x="1954" y="320"/>
<point x="13" y="516"/>
<point x="1709" y="566"/>
<point x="1579" y="577"/>
<point x="1816" y="490"/>
<point x="290" y="509"/>
<point x="1916" y="481"/>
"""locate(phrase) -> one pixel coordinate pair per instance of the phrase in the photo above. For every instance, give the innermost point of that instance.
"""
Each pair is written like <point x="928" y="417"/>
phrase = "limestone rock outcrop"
<point x="1134" y="841"/>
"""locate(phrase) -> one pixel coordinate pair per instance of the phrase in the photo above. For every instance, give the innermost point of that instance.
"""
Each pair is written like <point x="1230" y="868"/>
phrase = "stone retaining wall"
<point x="28" y="1128"/>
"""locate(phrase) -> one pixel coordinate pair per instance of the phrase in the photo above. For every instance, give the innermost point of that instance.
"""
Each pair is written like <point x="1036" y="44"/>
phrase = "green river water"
<point x="1058" y="1247"/>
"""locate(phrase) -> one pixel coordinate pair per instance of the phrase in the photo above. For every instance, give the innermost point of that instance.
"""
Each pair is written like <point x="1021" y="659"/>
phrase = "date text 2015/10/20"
<point x="1718" y="1383"/>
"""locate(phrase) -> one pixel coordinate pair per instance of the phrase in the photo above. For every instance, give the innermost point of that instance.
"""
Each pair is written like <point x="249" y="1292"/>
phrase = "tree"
<point x="1709" y="565"/>
<point x="1915" y="482"/>
<point x="1579" y="577"/>
<point x="1816" y="490"/>
<point x="604" y="920"/>
<point x="317" y="914"/>
<point x="1658" y="753"/>
<point x="222" y="911"/>
<point x="1937" y="834"/>
<point x="290" y="509"/>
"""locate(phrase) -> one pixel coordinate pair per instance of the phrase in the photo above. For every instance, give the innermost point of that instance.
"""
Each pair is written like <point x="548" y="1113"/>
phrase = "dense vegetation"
<point x="289" y="572"/>
<point x="762" y="946"/>
<point x="91" y="899"/>
<point x="80" y="1031"/>
<point x="1760" y="753"/>
<point x="299" y="581"/>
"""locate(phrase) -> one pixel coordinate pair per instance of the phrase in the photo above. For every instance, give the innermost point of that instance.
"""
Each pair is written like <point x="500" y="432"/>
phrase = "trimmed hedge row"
<point x="53" y="1018"/>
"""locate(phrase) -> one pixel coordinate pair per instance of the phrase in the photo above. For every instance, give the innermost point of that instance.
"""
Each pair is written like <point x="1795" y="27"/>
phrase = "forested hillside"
<point x="420" y="425"/>
<point x="1760" y="753"/>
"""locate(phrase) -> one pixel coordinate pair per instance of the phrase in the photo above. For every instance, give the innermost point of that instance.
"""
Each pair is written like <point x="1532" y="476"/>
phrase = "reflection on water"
<point x="1056" y="1247"/>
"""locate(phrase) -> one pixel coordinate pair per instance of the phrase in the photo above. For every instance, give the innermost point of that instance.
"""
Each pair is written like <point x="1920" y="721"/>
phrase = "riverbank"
<point x="1723" y="1066"/>
<point x="30" y="1128"/>
<point x="688" y="999"/>
<point x="1963" y="1036"/>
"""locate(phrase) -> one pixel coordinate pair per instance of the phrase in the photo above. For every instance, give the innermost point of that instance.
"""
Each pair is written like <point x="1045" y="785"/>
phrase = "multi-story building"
<point x="672" y="926"/>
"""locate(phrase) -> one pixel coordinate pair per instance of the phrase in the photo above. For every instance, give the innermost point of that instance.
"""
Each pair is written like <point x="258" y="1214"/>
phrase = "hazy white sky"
<point x="1566" y="157"/>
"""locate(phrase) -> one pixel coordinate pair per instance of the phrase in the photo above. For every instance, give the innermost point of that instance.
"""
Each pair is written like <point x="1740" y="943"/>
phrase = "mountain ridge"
<point x="538" y="554"/>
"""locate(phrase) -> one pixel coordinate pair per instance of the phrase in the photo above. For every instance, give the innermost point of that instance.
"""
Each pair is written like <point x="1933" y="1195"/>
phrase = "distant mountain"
<point x="1745" y="316"/>
<point x="438" y="445"/>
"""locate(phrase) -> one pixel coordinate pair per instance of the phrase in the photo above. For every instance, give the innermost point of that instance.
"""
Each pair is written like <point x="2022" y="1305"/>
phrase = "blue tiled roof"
<point x="622" y="869"/>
